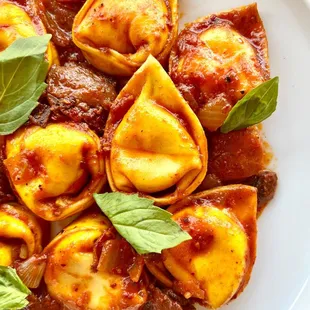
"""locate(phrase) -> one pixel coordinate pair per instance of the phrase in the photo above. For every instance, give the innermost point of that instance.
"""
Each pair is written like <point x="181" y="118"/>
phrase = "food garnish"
<point x="23" y="70"/>
<point x="13" y="292"/>
<point x="256" y="106"/>
<point x="149" y="229"/>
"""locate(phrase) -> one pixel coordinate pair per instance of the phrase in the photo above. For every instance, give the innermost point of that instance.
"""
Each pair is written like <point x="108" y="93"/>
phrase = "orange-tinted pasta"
<point x="155" y="143"/>
<point x="218" y="59"/>
<point x="216" y="264"/>
<point x="118" y="36"/>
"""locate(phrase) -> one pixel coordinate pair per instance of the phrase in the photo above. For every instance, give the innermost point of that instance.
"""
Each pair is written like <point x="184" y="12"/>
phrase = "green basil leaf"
<point x="254" y="107"/>
<point x="23" y="70"/>
<point x="149" y="229"/>
<point x="13" y="292"/>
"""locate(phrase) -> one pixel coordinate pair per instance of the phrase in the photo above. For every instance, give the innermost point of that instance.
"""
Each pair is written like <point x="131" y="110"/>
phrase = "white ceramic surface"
<point x="283" y="262"/>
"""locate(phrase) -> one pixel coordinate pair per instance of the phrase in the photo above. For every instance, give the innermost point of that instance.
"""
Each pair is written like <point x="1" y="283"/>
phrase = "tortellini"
<point x="154" y="142"/>
<point x="216" y="264"/>
<point x="73" y="278"/>
<point x="218" y="59"/>
<point x="55" y="170"/>
<point x="118" y="36"/>
<point x="19" y="22"/>
<point x="20" y="234"/>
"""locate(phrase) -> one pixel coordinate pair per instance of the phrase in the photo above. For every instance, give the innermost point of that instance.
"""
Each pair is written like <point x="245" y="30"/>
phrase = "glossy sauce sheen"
<point x="37" y="158"/>
<point x="217" y="60"/>
<point x="18" y="19"/>
<point x="73" y="276"/>
<point x="81" y="94"/>
<point x="20" y="234"/>
<point x="58" y="17"/>
<point x="236" y="155"/>
<point x="216" y="264"/>
<point x="114" y="37"/>
<point x="138" y="158"/>
<point x="148" y="140"/>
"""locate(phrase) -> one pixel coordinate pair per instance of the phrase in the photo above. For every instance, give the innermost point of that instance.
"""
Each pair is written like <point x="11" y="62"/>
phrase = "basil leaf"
<point x="254" y="107"/>
<point x="23" y="70"/>
<point x="13" y="292"/>
<point x="147" y="228"/>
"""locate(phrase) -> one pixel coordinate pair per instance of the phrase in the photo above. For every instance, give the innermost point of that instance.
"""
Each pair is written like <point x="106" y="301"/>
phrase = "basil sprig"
<point x="23" y="70"/>
<point x="147" y="228"/>
<point x="13" y="292"/>
<point x="254" y="107"/>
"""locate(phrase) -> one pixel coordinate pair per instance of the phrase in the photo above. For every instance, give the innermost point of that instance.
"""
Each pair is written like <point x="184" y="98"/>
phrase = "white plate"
<point x="283" y="262"/>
